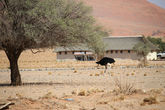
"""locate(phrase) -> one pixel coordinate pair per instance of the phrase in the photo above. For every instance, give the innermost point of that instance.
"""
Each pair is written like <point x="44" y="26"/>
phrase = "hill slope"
<point x="129" y="17"/>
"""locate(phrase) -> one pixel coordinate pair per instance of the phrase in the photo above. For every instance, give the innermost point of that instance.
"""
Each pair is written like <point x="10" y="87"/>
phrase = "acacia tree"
<point x="31" y="24"/>
<point x="158" y="42"/>
<point x="143" y="48"/>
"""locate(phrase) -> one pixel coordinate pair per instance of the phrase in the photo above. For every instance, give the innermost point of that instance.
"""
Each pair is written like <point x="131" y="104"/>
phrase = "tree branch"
<point x="3" y="3"/>
<point x="37" y="51"/>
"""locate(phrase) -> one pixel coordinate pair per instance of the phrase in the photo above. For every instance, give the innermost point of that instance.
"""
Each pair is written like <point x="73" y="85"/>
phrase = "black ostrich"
<point x="104" y="61"/>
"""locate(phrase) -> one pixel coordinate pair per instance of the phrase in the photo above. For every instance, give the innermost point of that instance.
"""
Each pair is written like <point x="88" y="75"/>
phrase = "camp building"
<point x="115" y="46"/>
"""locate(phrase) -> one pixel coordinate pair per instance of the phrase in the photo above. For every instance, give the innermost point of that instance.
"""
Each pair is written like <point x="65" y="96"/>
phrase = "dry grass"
<point x="47" y="95"/>
<point x="49" y="73"/>
<point x="132" y="74"/>
<point x="97" y="74"/>
<point x="145" y="74"/>
<point x="103" y="102"/>
<point x="82" y="93"/>
<point x="86" y="92"/>
<point x="126" y="88"/>
<point x="91" y="75"/>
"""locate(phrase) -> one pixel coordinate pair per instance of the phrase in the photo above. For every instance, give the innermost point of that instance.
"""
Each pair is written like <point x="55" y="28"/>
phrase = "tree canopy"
<point x="48" y="23"/>
<point x="29" y="24"/>
<point x="158" y="42"/>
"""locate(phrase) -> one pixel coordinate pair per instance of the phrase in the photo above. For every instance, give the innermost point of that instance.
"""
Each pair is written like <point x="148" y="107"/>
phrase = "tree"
<point x="97" y="44"/>
<point x="143" y="48"/>
<point x="32" y="24"/>
<point x="158" y="42"/>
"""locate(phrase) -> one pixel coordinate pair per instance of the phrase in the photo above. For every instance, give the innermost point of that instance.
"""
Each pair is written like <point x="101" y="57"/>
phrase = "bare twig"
<point x="37" y="51"/>
<point x="6" y="105"/>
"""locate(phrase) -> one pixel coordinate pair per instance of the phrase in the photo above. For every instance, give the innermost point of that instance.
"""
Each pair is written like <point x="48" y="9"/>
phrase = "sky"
<point x="160" y="3"/>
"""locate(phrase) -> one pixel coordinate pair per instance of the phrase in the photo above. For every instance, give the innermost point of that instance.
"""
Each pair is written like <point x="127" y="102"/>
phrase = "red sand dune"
<point x="129" y="17"/>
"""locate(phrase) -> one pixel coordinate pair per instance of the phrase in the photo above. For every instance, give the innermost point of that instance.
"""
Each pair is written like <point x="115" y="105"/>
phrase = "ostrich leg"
<point x="105" y="68"/>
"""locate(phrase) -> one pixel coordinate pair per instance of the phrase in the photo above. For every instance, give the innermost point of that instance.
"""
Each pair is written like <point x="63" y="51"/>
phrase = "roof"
<point x="121" y="43"/>
<point x="111" y="43"/>
<point x="74" y="48"/>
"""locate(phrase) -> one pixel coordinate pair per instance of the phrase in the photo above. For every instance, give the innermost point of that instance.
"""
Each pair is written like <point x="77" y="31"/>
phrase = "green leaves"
<point x="67" y="22"/>
<point x="49" y="23"/>
<point x="144" y="47"/>
<point x="158" y="42"/>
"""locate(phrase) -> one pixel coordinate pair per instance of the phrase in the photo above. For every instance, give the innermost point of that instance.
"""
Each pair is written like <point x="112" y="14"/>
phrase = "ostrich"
<point x="104" y="61"/>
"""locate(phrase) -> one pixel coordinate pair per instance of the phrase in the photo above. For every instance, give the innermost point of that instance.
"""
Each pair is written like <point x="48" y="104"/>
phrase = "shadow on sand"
<point x="33" y="83"/>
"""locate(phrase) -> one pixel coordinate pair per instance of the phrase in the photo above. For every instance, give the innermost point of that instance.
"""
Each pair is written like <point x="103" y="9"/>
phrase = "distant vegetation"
<point x="158" y="42"/>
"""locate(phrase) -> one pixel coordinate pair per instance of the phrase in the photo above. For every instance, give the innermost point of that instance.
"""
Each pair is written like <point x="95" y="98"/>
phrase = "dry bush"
<point x="91" y="74"/>
<point x="117" y="98"/>
<point x="157" y="71"/>
<point x="155" y="91"/>
<point x="150" y="100"/>
<point x="48" y="95"/>
<point x="74" y="92"/>
<point x="103" y="102"/>
<point x="145" y="74"/>
<point x="20" y="96"/>
<point x="112" y="74"/>
<point x="132" y="74"/>
<point x="75" y="71"/>
<point x="82" y="93"/>
<point x="102" y="72"/>
<point x="121" y="97"/>
<point x="113" y="107"/>
<point x="126" y="88"/>
<point x="49" y="73"/>
<point x="87" y="92"/>
<point x="95" y="90"/>
<point x="97" y="74"/>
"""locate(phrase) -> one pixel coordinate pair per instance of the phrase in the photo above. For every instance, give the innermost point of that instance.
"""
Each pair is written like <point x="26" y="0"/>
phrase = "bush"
<point x="124" y="88"/>
<point x="149" y="101"/>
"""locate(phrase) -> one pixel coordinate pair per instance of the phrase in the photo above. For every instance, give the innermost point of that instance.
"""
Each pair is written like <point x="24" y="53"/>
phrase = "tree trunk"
<point x="13" y="56"/>
<point x="145" y="60"/>
<point x="15" y="74"/>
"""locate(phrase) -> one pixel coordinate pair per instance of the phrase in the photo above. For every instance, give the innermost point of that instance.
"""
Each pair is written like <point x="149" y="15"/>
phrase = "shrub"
<point x="124" y="88"/>
<point x="150" y="100"/>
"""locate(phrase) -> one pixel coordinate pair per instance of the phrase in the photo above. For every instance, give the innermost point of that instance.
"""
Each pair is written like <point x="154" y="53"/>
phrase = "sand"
<point x="72" y="85"/>
<point x="60" y="89"/>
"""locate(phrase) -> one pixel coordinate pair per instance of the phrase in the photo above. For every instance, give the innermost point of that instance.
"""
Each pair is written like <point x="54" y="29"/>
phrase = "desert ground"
<point x="73" y="85"/>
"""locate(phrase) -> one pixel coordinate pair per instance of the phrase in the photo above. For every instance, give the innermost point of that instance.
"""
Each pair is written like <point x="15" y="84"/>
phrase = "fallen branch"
<point x="5" y="106"/>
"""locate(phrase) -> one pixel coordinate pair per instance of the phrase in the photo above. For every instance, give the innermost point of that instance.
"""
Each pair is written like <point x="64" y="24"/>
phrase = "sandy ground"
<point x="71" y="85"/>
<point x="86" y="89"/>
